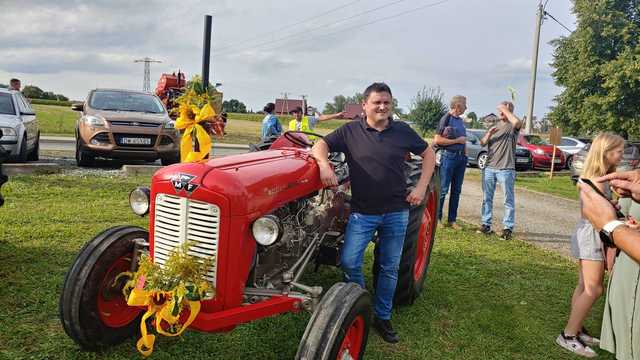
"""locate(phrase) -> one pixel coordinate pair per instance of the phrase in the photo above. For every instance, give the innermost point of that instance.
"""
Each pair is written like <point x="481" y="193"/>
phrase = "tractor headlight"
<point x="266" y="230"/>
<point x="139" y="200"/>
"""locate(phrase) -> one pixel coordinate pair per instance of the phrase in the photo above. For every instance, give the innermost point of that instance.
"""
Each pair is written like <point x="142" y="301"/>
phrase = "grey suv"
<point x="19" y="126"/>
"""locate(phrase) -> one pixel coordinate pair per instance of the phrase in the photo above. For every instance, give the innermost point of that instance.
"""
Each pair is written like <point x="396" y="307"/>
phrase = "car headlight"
<point x="169" y="125"/>
<point x="139" y="200"/>
<point x="7" y="131"/>
<point x="94" y="121"/>
<point x="538" y="152"/>
<point x="266" y="230"/>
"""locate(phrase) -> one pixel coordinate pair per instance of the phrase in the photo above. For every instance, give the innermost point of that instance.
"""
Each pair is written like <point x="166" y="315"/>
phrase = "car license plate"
<point x="522" y="160"/>
<point x="135" y="141"/>
<point x="556" y="160"/>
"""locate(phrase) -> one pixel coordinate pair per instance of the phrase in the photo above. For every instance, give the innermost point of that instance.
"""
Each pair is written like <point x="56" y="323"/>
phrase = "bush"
<point x="50" y="102"/>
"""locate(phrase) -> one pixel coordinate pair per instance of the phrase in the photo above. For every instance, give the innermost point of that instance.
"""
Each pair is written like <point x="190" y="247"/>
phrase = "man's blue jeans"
<point x="452" y="168"/>
<point x="507" y="179"/>
<point x="391" y="229"/>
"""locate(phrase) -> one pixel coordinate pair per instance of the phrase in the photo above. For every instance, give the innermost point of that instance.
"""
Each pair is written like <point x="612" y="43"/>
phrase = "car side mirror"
<point x="77" y="107"/>
<point x="27" y="113"/>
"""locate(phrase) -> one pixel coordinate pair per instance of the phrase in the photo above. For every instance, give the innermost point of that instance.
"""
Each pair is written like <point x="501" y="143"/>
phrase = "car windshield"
<point x="6" y="105"/>
<point x="535" y="140"/>
<point x="125" y="101"/>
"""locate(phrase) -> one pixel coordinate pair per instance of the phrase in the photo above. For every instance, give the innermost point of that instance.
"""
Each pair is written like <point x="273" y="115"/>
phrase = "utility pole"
<point x="146" y="84"/>
<point x="534" y="67"/>
<point x="304" y="103"/>
<point x="285" y="95"/>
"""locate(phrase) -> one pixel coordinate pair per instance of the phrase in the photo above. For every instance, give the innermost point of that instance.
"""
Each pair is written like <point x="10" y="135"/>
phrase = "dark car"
<point x="477" y="154"/>
<point x="542" y="152"/>
<point x="630" y="159"/>
<point x="125" y="124"/>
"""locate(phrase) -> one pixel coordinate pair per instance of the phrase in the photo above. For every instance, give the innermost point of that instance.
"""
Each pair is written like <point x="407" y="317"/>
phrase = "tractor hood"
<point x="253" y="182"/>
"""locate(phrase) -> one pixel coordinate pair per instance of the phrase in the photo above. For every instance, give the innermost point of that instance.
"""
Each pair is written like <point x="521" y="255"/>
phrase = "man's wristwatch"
<point x="606" y="234"/>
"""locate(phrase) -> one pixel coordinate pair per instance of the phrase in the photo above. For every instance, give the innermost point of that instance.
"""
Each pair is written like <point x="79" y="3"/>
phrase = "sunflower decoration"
<point x="167" y="292"/>
<point x="198" y="119"/>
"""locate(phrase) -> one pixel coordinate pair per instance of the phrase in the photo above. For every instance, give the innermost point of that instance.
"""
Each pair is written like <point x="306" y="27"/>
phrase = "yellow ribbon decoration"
<point x="189" y="119"/>
<point x="169" y="311"/>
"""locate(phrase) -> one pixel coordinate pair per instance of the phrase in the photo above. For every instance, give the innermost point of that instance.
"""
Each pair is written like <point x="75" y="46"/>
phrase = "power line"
<point x="305" y="32"/>
<point x="556" y="20"/>
<point x="359" y="25"/>
<point x="227" y="45"/>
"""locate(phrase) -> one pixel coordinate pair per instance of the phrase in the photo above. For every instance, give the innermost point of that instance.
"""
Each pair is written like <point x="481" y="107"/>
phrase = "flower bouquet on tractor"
<point x="228" y="242"/>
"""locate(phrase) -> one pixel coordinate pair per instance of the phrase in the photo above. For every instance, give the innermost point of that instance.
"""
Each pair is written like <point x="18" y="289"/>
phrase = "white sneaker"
<point x="575" y="345"/>
<point x="588" y="339"/>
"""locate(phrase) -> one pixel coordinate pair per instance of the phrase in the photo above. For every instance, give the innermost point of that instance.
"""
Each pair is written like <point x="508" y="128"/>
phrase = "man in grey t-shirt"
<point x="500" y="168"/>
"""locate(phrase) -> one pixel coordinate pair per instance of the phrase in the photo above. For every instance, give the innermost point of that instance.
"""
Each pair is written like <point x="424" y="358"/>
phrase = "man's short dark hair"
<point x="378" y="87"/>
<point x="14" y="80"/>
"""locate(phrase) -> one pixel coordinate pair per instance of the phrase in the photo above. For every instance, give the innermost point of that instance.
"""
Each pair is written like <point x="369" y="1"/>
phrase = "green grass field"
<point x="55" y="119"/>
<point x="484" y="299"/>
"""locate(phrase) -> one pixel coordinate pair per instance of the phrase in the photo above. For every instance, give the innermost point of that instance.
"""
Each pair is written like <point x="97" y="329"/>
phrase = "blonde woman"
<point x="604" y="156"/>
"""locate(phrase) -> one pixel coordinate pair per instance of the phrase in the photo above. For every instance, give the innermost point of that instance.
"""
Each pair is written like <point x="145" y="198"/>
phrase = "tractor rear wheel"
<point x="418" y="242"/>
<point x="93" y="310"/>
<point x="339" y="327"/>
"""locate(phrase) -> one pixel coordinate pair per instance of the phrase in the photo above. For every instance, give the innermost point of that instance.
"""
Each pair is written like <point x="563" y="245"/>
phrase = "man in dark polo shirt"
<point x="376" y="147"/>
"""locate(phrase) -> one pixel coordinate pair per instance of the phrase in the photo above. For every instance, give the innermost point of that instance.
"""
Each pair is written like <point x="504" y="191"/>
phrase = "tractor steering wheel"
<point x="290" y="135"/>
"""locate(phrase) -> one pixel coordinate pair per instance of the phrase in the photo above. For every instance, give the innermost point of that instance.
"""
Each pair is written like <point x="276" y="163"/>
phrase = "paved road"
<point x="68" y="145"/>
<point x="543" y="220"/>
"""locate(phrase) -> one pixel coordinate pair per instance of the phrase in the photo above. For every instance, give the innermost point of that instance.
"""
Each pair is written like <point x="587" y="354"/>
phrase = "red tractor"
<point x="266" y="217"/>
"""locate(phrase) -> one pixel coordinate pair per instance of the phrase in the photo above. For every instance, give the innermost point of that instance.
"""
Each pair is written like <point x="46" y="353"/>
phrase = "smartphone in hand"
<point x="619" y="214"/>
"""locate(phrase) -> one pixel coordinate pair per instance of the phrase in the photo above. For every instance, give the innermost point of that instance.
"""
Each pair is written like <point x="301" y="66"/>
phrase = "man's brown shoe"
<point x="455" y="226"/>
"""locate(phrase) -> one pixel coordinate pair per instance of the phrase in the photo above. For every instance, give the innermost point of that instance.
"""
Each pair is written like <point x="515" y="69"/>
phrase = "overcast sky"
<point x="261" y="49"/>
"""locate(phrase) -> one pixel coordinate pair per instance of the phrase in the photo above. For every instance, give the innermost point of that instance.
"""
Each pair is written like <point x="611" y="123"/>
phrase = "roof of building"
<point x="352" y="110"/>
<point x="283" y="106"/>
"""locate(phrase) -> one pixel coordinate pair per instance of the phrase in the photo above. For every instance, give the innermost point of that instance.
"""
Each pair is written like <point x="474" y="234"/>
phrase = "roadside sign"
<point x="555" y="136"/>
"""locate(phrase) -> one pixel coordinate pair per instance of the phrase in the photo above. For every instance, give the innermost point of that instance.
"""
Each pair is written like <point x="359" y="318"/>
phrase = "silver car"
<point x="19" y="126"/>
<point x="572" y="146"/>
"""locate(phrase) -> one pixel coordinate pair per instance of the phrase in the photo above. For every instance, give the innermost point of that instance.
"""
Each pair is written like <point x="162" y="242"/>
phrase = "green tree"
<point x="336" y="106"/>
<point x="339" y="102"/>
<point x="597" y="67"/>
<point x="234" y="106"/>
<point x="427" y="108"/>
<point x="33" y="92"/>
<point x="475" y="123"/>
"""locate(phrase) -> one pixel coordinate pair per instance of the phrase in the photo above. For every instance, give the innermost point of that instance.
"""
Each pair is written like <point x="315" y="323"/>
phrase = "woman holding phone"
<point x="604" y="156"/>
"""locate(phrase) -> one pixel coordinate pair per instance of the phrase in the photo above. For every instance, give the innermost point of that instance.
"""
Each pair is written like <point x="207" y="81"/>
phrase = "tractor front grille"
<point x="179" y="219"/>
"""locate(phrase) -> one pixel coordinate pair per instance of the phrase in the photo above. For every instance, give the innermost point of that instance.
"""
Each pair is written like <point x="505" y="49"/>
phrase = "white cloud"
<point x="462" y="46"/>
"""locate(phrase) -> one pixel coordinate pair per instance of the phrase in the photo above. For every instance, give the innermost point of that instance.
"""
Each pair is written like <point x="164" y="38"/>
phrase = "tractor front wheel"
<point x="93" y="310"/>
<point x="339" y="327"/>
